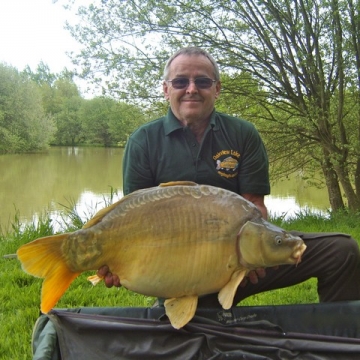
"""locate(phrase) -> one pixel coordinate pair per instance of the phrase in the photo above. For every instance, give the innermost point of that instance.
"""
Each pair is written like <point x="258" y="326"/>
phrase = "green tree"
<point x="304" y="55"/>
<point x="45" y="80"/>
<point x="24" y="126"/>
<point x="95" y="114"/>
<point x="61" y="99"/>
<point x="65" y="106"/>
<point x="42" y="75"/>
<point x="240" y="96"/>
<point x="124" y="119"/>
<point x="109" y="122"/>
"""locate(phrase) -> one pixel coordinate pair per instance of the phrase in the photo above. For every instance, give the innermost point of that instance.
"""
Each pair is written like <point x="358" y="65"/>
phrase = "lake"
<point x="35" y="184"/>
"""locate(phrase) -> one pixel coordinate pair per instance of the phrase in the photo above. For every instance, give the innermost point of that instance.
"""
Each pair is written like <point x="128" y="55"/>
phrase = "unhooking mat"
<point x="304" y="332"/>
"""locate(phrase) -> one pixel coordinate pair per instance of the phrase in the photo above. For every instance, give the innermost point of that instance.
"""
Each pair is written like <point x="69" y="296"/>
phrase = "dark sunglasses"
<point x="200" y="83"/>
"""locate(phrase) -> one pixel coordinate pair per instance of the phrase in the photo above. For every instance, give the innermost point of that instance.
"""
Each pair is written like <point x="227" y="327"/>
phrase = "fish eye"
<point x="278" y="240"/>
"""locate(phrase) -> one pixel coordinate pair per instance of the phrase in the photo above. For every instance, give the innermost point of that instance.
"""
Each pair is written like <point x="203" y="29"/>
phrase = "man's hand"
<point x="110" y="279"/>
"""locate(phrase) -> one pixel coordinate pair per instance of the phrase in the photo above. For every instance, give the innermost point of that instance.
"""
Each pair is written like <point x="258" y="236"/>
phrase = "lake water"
<point x="35" y="184"/>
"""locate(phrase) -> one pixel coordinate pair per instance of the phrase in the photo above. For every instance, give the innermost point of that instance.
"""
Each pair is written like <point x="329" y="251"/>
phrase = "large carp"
<point x="177" y="241"/>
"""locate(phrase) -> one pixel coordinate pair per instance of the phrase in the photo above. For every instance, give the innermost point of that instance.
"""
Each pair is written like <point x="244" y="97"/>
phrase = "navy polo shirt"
<point x="231" y="155"/>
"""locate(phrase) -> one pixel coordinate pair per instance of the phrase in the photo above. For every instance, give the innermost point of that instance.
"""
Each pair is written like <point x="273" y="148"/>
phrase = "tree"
<point x="109" y="122"/>
<point x="61" y="99"/>
<point x="304" y="56"/>
<point x="94" y="115"/>
<point x="42" y="75"/>
<point x="45" y="80"/>
<point x="65" y="106"/>
<point x="24" y="126"/>
<point x="125" y="119"/>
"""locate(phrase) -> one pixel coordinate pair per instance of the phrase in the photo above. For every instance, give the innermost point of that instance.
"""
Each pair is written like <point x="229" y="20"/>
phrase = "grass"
<point x="20" y="293"/>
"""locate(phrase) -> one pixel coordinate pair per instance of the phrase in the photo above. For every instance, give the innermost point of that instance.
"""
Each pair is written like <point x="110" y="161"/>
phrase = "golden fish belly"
<point x="173" y="271"/>
<point x="168" y="248"/>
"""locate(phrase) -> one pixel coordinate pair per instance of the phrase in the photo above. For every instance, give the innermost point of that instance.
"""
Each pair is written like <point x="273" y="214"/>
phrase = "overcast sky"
<point x="32" y="31"/>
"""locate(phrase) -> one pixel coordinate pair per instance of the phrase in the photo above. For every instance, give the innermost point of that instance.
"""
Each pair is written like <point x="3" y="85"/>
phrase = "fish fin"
<point x="182" y="183"/>
<point x="227" y="293"/>
<point x="95" y="279"/>
<point x="43" y="258"/>
<point x="181" y="310"/>
<point x="100" y="214"/>
<point x="55" y="285"/>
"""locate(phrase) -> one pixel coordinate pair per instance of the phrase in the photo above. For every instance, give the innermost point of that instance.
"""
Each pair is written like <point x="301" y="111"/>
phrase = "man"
<point x="193" y="142"/>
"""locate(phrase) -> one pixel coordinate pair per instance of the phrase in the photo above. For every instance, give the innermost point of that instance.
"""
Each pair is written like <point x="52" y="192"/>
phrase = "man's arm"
<point x="258" y="201"/>
<point x="137" y="173"/>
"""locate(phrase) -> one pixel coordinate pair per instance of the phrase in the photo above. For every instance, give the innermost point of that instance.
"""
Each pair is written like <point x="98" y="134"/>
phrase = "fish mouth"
<point x="298" y="254"/>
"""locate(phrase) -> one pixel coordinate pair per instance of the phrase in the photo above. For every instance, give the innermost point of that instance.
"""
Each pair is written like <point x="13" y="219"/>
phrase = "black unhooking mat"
<point x="306" y="332"/>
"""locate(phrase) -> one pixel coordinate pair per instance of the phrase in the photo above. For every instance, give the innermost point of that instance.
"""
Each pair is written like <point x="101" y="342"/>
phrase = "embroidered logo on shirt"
<point x="227" y="163"/>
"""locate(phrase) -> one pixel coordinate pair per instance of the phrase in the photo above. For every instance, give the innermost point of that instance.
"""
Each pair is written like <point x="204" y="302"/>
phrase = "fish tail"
<point x="44" y="258"/>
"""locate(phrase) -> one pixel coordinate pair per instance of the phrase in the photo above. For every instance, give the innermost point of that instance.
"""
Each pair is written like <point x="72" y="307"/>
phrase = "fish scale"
<point x="177" y="241"/>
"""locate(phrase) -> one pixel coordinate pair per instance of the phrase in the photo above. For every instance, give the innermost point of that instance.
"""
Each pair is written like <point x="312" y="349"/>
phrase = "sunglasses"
<point x="200" y="83"/>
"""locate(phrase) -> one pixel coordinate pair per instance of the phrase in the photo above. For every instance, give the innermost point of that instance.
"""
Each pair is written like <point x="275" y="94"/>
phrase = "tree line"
<point x="290" y="66"/>
<point x="39" y="109"/>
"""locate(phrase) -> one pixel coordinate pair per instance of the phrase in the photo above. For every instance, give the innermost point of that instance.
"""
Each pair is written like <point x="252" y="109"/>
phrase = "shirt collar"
<point x="172" y="124"/>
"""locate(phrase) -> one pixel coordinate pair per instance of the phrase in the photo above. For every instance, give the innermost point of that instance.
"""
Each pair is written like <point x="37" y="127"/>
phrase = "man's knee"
<point x="346" y="245"/>
<point x="344" y="252"/>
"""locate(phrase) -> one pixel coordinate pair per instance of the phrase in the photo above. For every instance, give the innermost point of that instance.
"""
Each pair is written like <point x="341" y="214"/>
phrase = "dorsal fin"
<point x="101" y="213"/>
<point x="182" y="183"/>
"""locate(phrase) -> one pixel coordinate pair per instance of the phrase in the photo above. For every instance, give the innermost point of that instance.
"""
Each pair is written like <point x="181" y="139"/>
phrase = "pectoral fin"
<point x="95" y="279"/>
<point x="227" y="293"/>
<point x="181" y="310"/>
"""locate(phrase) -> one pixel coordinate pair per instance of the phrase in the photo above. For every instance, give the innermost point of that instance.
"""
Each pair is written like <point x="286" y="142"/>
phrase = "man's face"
<point x="191" y="104"/>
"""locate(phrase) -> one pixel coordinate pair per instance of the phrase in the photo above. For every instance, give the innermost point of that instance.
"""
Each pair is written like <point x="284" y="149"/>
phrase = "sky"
<point x="32" y="31"/>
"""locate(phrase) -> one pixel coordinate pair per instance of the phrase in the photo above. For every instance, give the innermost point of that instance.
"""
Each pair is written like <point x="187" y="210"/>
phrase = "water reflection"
<point x="86" y="207"/>
<point x="36" y="183"/>
<point x="50" y="182"/>
<point x="293" y="195"/>
<point x="288" y="207"/>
